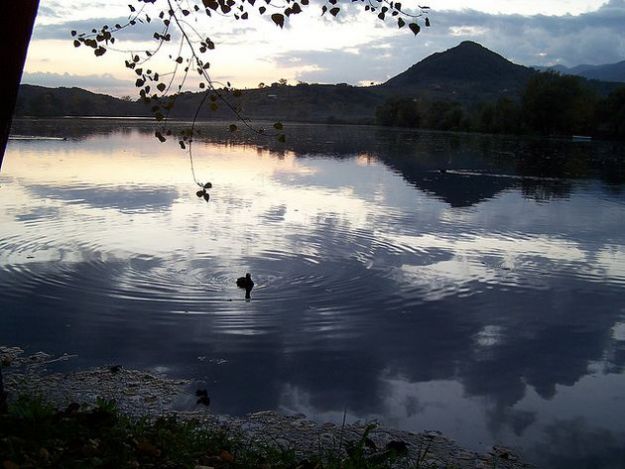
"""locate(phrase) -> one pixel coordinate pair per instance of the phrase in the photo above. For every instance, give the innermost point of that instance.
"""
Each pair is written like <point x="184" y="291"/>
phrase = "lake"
<point x="469" y="284"/>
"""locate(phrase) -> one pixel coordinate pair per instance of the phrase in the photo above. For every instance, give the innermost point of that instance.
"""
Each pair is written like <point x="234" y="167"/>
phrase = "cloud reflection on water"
<point x="378" y="287"/>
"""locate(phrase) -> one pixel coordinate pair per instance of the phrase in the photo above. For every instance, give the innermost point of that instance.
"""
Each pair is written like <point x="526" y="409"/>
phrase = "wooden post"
<point x="16" y="25"/>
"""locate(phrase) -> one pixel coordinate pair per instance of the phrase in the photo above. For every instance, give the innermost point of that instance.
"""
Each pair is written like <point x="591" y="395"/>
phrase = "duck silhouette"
<point x="247" y="283"/>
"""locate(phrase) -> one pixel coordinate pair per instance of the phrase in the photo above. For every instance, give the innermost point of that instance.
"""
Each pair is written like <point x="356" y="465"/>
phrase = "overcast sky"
<point x="355" y="47"/>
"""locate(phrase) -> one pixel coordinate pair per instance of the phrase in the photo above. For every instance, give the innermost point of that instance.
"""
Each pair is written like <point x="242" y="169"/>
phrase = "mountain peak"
<point x="470" y="44"/>
<point x="468" y="62"/>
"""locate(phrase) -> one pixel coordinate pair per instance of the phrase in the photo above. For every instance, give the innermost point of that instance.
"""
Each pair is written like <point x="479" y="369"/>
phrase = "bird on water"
<point x="245" y="282"/>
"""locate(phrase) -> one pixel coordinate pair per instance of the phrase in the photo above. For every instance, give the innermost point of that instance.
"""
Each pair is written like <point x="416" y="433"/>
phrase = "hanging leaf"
<point x="278" y="19"/>
<point x="415" y="28"/>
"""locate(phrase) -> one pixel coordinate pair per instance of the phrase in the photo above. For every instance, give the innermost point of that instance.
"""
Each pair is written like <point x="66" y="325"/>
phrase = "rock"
<point x="203" y="398"/>
<point x="226" y="456"/>
<point x="44" y="454"/>
<point x="398" y="446"/>
<point x="72" y="409"/>
<point x="147" y="448"/>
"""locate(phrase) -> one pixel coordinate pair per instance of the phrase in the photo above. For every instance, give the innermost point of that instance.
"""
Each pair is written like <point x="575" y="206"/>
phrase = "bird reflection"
<point x="247" y="283"/>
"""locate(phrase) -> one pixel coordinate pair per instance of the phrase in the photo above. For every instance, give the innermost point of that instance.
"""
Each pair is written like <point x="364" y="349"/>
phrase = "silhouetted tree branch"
<point x="171" y="19"/>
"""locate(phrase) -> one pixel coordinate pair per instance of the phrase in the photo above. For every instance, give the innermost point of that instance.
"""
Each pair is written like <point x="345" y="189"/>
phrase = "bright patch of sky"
<point x="521" y="7"/>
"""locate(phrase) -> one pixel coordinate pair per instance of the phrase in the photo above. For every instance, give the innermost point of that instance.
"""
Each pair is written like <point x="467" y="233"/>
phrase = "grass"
<point x="33" y="434"/>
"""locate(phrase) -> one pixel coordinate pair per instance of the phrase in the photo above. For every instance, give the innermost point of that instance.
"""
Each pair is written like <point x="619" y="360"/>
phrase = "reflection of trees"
<point x="545" y="190"/>
<point x="417" y="155"/>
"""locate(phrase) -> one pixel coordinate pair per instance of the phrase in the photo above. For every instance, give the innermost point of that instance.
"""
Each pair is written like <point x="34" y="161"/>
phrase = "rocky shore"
<point x="138" y="393"/>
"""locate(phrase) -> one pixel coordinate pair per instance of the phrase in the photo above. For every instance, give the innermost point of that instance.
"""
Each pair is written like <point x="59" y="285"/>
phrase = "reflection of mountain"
<point x="458" y="190"/>
<point x="543" y="169"/>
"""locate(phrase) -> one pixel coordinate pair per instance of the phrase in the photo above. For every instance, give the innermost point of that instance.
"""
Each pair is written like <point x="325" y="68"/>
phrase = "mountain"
<point x="467" y="72"/>
<point x="609" y="72"/>
<point x="41" y="101"/>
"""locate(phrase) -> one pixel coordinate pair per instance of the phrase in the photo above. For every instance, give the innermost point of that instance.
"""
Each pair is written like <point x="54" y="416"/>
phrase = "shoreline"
<point x="141" y="394"/>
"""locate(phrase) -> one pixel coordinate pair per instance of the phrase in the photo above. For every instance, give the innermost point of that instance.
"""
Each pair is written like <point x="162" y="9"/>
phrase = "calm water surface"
<point x="486" y="301"/>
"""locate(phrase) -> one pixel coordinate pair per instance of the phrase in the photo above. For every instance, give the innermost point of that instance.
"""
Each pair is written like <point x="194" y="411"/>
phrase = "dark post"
<point x="16" y="26"/>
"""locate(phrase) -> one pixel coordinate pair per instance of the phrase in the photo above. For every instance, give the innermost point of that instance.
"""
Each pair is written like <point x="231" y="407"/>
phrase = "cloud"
<point x="105" y="83"/>
<point x="595" y="37"/>
<point x="46" y="12"/>
<point x="129" y="199"/>
<point x="141" y="32"/>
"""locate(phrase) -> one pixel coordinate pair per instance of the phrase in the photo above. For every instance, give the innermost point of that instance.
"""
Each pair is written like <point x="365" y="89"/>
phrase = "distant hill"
<point x="609" y="72"/>
<point x="467" y="72"/>
<point x="305" y="103"/>
<point x="40" y="101"/>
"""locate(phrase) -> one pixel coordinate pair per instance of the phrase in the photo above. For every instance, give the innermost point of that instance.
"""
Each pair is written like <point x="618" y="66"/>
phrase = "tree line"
<point x="550" y="104"/>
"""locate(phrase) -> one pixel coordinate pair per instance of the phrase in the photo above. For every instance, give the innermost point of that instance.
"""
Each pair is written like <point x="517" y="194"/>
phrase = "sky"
<point x="354" y="48"/>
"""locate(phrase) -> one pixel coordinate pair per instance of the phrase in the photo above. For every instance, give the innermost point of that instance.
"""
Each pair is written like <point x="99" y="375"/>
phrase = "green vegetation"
<point x="558" y="104"/>
<point x="34" y="434"/>
<point x="611" y="114"/>
<point x="550" y="104"/>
